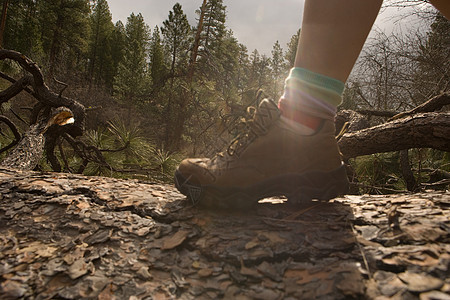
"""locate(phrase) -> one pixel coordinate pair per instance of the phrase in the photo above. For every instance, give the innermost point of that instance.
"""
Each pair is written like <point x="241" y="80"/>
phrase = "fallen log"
<point x="75" y="237"/>
<point x="28" y="151"/>
<point x="425" y="130"/>
<point x="41" y="134"/>
<point x="41" y="91"/>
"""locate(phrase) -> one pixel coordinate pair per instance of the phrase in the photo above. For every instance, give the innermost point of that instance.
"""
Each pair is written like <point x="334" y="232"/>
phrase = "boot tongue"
<point x="266" y="113"/>
<point x="262" y="118"/>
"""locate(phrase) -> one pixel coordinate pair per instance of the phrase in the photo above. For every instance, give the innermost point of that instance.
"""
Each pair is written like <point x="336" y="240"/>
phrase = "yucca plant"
<point x="138" y="149"/>
<point x="166" y="162"/>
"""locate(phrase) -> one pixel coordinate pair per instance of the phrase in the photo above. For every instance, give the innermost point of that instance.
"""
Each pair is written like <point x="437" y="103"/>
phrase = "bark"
<point x="377" y="113"/>
<point x="425" y="130"/>
<point x="66" y="236"/>
<point x="355" y="120"/>
<point x="39" y="137"/>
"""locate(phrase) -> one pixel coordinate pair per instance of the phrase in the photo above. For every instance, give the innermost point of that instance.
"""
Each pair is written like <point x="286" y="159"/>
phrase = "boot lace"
<point x="256" y="124"/>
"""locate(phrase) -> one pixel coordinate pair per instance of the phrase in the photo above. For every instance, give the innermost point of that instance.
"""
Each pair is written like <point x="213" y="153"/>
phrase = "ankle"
<point x="300" y="117"/>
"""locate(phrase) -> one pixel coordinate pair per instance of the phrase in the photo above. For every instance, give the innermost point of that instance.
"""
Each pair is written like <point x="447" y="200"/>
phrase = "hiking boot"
<point x="270" y="159"/>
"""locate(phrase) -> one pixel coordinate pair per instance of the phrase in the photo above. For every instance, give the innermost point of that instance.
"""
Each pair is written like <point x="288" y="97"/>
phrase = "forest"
<point x="136" y="100"/>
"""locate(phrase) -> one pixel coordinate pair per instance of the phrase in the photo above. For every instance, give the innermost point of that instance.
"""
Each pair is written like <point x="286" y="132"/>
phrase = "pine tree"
<point x="243" y="69"/>
<point x="211" y="39"/>
<point x="118" y="42"/>
<point x="177" y="37"/>
<point x="214" y="26"/>
<point x="132" y="80"/>
<point x="226" y="58"/>
<point x="22" y="29"/>
<point x="65" y="31"/>
<point x="101" y="67"/>
<point x="277" y="68"/>
<point x="291" y="51"/>
<point x="157" y="65"/>
<point x="433" y="72"/>
<point x="259" y="71"/>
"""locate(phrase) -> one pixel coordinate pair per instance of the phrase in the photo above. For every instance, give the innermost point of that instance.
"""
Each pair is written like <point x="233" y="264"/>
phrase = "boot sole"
<point x="298" y="188"/>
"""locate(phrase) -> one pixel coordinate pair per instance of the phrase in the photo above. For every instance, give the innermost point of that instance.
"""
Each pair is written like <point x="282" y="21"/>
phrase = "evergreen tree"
<point x="243" y="69"/>
<point x="132" y="80"/>
<point x="157" y="65"/>
<point x="22" y="30"/>
<point x="277" y="68"/>
<point x="211" y="39"/>
<point x="291" y="51"/>
<point x="214" y="24"/>
<point x="177" y="37"/>
<point x="101" y="67"/>
<point x="118" y="38"/>
<point x="65" y="30"/>
<point x="259" y="71"/>
<point x="227" y="54"/>
<point x="433" y="73"/>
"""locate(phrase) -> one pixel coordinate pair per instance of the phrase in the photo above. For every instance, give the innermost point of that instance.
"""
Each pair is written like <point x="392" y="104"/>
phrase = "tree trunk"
<point x="179" y="116"/>
<point x="194" y="53"/>
<point x="425" y="130"/>
<point x="407" y="173"/>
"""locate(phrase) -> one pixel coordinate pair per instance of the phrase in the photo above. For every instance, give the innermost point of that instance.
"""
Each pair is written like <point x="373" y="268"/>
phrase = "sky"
<point x="257" y="24"/>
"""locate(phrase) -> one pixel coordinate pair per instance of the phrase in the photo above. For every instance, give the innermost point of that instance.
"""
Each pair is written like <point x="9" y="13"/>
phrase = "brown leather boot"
<point x="270" y="159"/>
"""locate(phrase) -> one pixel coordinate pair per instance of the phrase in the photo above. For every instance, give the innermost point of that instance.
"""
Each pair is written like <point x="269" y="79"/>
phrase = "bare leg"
<point x="333" y="34"/>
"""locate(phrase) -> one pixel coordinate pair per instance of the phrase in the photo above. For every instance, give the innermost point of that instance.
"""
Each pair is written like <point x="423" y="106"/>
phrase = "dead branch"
<point x="379" y="189"/>
<point x="14" y="130"/>
<point x="436" y="172"/>
<point x="90" y="153"/>
<point x="354" y="120"/>
<point x="442" y="182"/>
<point x="434" y="104"/>
<point x="15" y="88"/>
<point x="377" y="113"/>
<point x="12" y="80"/>
<point x="426" y="130"/>
<point x="65" y="85"/>
<point x="86" y="152"/>
<point x="43" y="93"/>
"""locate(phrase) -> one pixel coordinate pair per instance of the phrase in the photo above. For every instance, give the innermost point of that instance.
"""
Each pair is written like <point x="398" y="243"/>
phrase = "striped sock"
<point x="310" y="97"/>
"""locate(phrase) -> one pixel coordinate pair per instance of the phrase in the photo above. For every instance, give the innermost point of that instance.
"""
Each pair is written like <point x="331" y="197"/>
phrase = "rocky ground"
<point x="69" y="237"/>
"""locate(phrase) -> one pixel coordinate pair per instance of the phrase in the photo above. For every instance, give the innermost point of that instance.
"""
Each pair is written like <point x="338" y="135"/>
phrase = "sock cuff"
<point x="316" y="79"/>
